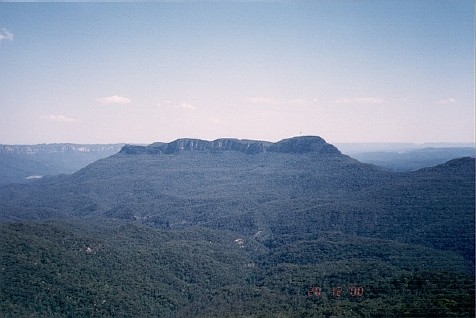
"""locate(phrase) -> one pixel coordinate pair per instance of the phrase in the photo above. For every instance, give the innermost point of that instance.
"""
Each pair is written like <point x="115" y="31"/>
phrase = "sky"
<point x="348" y="71"/>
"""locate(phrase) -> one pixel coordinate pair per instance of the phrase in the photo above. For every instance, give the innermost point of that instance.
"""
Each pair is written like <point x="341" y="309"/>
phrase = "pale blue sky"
<point x="348" y="71"/>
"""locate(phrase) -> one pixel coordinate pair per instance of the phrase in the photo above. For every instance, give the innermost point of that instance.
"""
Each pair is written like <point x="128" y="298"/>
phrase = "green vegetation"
<point x="231" y="234"/>
<point x="114" y="269"/>
<point x="120" y="269"/>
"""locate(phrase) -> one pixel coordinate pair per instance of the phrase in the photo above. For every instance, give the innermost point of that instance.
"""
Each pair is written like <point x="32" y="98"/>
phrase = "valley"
<point x="240" y="228"/>
<point x="21" y="163"/>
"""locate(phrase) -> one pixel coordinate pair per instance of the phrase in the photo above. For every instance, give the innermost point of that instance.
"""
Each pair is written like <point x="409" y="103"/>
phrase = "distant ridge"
<point x="252" y="233"/>
<point x="464" y="165"/>
<point x="301" y="145"/>
<point x="57" y="148"/>
<point x="21" y="163"/>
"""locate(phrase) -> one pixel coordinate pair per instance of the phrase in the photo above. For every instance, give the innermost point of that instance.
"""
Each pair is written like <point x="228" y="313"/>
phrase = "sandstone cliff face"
<point x="292" y="145"/>
<point x="304" y="145"/>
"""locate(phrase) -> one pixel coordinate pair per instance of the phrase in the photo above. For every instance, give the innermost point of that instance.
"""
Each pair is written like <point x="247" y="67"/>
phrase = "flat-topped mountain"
<point x="297" y="185"/>
<point x="239" y="228"/>
<point x="291" y="145"/>
<point x="187" y="144"/>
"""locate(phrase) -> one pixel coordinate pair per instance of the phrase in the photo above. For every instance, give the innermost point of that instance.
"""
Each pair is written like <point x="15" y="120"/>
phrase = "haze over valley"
<point x="274" y="219"/>
<point x="237" y="159"/>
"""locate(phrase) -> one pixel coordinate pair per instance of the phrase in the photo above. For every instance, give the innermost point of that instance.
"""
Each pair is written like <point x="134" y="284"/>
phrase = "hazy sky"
<point x="348" y="71"/>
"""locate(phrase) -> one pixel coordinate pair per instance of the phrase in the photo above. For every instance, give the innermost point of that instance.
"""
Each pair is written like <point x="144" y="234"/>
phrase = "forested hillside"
<point x="119" y="269"/>
<point x="240" y="228"/>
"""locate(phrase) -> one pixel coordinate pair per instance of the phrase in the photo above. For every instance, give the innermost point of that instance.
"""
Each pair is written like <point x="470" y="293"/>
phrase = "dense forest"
<point x="240" y="229"/>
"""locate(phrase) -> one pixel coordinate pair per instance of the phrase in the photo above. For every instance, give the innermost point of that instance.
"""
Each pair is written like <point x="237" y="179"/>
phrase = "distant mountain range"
<point x="222" y="185"/>
<point x="398" y="147"/>
<point x="57" y="148"/>
<point x="19" y="163"/>
<point x="412" y="159"/>
<point x="240" y="228"/>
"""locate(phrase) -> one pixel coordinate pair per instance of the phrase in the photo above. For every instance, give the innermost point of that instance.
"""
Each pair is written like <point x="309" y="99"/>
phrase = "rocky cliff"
<point x="292" y="145"/>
